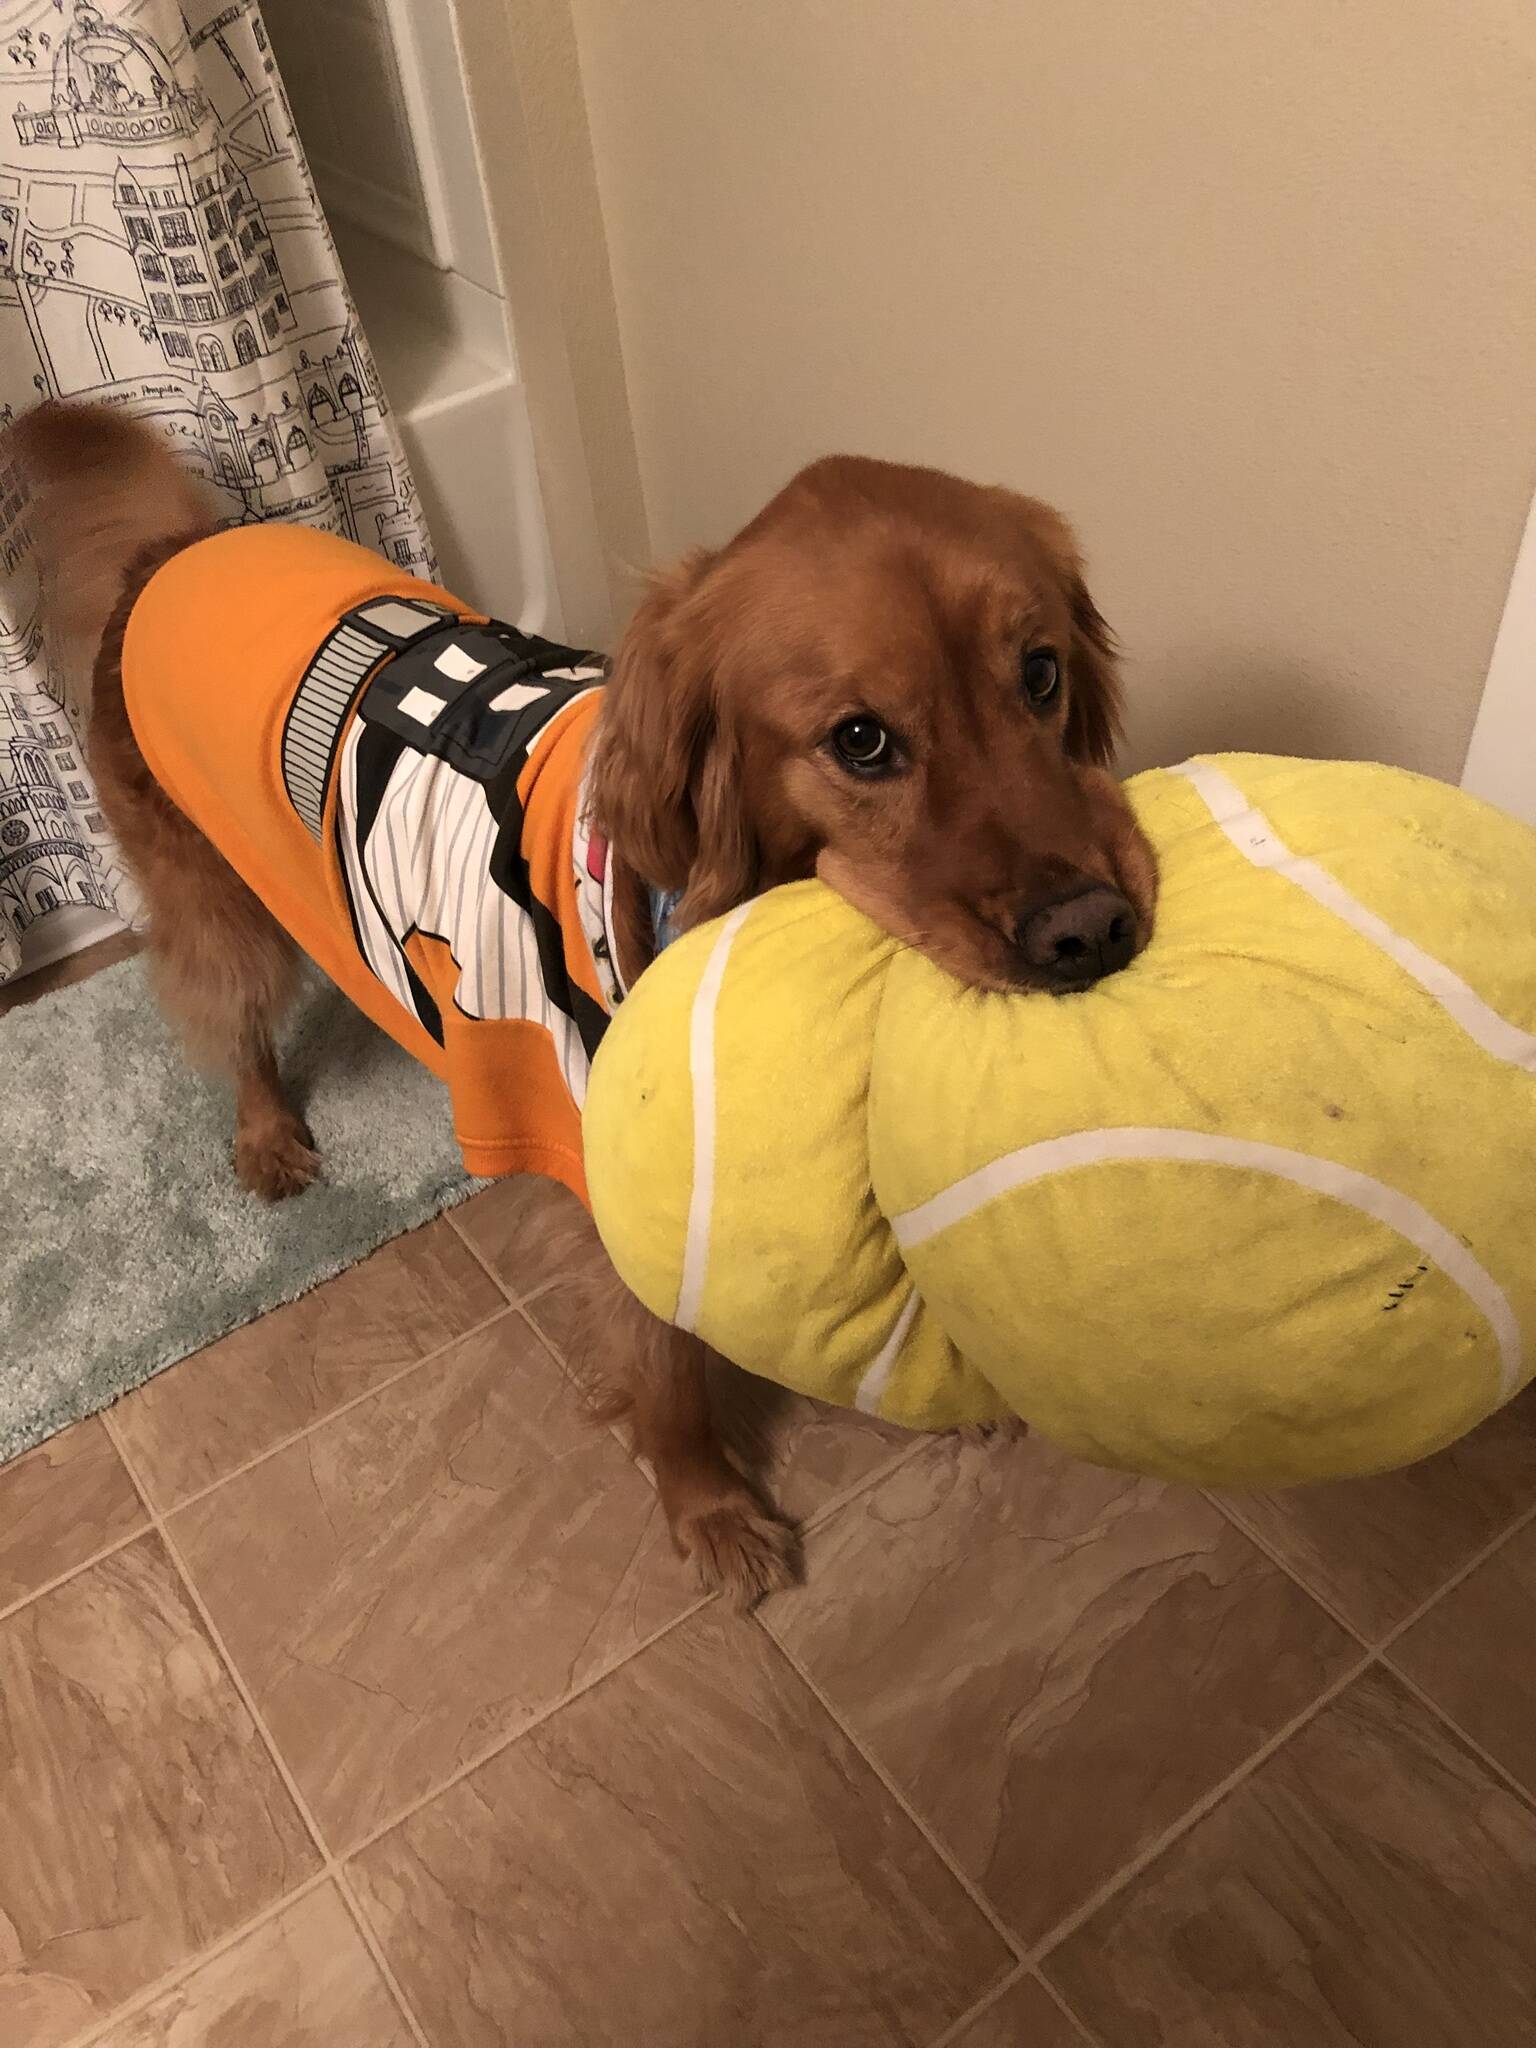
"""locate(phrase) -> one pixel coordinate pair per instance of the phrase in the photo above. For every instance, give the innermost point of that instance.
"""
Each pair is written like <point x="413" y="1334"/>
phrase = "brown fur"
<point x="863" y="588"/>
<point x="109" y="505"/>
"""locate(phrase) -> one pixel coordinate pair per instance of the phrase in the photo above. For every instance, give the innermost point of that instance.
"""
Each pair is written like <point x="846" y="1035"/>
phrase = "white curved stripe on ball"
<point x="701" y="1067"/>
<point x="877" y="1376"/>
<point x="1257" y="841"/>
<point x="1111" y="1146"/>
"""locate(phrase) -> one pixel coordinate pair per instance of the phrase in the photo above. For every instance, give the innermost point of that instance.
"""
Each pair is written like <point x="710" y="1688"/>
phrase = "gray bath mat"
<point x="125" y="1241"/>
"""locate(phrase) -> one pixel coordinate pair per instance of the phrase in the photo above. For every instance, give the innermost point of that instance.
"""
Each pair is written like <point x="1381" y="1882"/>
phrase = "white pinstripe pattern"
<point x="426" y="866"/>
<point x="1257" y="841"/>
<point x="701" y="1065"/>
<point x="1374" y="1198"/>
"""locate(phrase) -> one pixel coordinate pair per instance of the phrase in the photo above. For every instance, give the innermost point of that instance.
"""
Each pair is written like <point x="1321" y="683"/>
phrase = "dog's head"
<point x="897" y="681"/>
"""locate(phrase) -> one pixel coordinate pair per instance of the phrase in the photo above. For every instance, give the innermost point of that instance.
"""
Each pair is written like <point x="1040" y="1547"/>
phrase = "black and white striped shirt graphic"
<point x="428" y="822"/>
<point x="330" y="683"/>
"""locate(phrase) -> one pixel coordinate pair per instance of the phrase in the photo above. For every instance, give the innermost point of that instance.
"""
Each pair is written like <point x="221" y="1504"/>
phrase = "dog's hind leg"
<point x="109" y="505"/>
<point x="224" y="969"/>
<point x="224" y="972"/>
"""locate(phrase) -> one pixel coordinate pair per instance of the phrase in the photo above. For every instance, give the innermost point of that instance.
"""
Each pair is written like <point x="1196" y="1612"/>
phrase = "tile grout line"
<point x="514" y="1735"/>
<point x="368" y="1934"/>
<point x="1133" y="1868"/>
<point x="180" y="1972"/>
<point x="1457" y="1578"/>
<point x="1525" y="1793"/>
<point x="1090" y="2034"/>
<point x="1379" y="1651"/>
<point x="297" y="1436"/>
<point x="1382" y="1643"/>
<point x="500" y="1285"/>
<point x="524" y="1300"/>
<point x="973" y="1891"/>
<point x="838" y="1501"/>
<point x="521" y="1298"/>
<point x="1287" y="1570"/>
<point x="1024" y="1973"/>
<point x="1032" y="1956"/>
<point x="956" y="2028"/>
<point x="335" y="1864"/>
<point x="1010" y="1981"/>
<point x="331" y="1864"/>
<point x="85" y="1565"/>
<point x="1028" y="1967"/>
<point x="582" y="1394"/>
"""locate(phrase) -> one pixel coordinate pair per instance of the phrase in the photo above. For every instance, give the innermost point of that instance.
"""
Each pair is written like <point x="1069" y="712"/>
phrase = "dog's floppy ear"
<point x="1093" y="670"/>
<point x="1093" y="681"/>
<point x="666" y="780"/>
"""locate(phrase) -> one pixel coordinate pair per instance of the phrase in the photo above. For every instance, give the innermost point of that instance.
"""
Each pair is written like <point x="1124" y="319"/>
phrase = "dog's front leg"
<point x="737" y="1544"/>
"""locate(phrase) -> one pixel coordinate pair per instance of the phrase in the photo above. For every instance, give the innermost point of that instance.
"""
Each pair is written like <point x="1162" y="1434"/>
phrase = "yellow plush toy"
<point x="1257" y="1210"/>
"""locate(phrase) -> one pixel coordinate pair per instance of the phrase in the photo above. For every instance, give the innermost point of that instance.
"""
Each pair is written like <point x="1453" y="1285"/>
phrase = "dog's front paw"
<point x="277" y="1160"/>
<point x="740" y="1549"/>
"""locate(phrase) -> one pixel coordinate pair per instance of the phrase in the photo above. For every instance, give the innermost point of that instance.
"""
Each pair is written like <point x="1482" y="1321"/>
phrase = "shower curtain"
<point x="162" y="249"/>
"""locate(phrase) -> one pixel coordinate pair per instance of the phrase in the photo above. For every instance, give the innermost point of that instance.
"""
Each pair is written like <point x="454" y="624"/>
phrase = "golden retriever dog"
<point x="891" y="679"/>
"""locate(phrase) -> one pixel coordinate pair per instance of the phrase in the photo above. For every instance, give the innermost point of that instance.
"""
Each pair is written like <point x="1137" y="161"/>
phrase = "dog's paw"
<point x="741" y="1550"/>
<point x="277" y="1161"/>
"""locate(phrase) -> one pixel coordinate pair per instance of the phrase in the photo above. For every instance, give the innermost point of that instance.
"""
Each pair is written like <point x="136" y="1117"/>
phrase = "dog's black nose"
<point x="1077" y="940"/>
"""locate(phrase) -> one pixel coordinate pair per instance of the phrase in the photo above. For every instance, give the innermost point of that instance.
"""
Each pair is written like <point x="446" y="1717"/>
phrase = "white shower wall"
<point x="378" y="95"/>
<point x="343" y="73"/>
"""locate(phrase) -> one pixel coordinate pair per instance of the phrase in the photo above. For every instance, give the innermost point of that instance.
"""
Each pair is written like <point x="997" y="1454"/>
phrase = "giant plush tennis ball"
<point x="1257" y="1210"/>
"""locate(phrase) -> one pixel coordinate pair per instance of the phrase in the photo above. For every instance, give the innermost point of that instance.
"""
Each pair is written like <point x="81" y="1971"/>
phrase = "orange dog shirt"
<point x="400" y="781"/>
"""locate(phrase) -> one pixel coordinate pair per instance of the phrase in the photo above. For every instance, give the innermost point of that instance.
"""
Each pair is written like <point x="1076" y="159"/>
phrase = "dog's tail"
<point x="105" y="490"/>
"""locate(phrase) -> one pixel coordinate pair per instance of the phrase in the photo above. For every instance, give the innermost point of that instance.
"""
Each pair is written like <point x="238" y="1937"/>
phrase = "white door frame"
<point x="1501" y="760"/>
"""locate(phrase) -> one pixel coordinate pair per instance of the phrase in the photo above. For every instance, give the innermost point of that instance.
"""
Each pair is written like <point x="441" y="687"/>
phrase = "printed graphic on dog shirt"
<point x="403" y="784"/>
<point x="429" y="826"/>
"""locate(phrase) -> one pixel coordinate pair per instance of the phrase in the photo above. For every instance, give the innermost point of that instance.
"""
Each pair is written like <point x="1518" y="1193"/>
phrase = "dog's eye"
<point x="864" y="745"/>
<point x="1042" y="676"/>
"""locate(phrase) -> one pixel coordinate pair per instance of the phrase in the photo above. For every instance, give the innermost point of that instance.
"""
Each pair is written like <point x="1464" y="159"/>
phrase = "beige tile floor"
<point x="350" y="1695"/>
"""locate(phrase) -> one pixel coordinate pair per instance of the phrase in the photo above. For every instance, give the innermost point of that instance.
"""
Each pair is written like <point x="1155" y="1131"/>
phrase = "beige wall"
<point x="1246" y="288"/>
